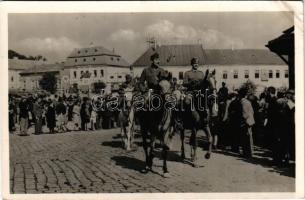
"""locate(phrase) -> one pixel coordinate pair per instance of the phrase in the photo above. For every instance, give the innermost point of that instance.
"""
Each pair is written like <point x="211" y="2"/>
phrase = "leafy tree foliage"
<point x="48" y="82"/>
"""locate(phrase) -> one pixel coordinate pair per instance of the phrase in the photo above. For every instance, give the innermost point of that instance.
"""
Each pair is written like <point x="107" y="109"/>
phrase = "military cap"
<point x="154" y="56"/>
<point x="194" y="61"/>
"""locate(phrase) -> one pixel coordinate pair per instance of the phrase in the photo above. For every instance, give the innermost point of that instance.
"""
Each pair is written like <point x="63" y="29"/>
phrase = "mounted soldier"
<point x="152" y="119"/>
<point x="199" y="88"/>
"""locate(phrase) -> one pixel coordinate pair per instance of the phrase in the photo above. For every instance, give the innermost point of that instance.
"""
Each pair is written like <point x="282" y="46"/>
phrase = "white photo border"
<point x="154" y="6"/>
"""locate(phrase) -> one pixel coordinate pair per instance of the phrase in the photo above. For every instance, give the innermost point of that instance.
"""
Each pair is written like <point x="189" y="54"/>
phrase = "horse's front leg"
<point x="210" y="142"/>
<point x="130" y="128"/>
<point x="151" y="150"/>
<point x="145" y="147"/>
<point x="164" y="156"/>
<point x="193" y="143"/>
<point x="182" y="143"/>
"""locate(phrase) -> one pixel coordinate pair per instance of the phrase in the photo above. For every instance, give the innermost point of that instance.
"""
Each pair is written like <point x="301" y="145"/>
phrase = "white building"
<point x="233" y="67"/>
<point x="15" y="67"/>
<point x="98" y="63"/>
<point x="29" y="78"/>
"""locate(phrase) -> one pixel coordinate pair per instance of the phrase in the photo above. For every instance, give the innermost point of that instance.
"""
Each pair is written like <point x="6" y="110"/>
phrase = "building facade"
<point x="15" y="67"/>
<point x="86" y="66"/>
<point x="234" y="67"/>
<point x="29" y="79"/>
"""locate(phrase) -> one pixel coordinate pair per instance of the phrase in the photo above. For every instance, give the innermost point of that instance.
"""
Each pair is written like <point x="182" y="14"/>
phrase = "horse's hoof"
<point x="146" y="170"/>
<point x="207" y="156"/>
<point x="195" y="164"/>
<point x="166" y="175"/>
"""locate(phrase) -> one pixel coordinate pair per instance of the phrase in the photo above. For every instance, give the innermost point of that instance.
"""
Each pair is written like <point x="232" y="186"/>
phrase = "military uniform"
<point x="151" y="75"/>
<point x="192" y="78"/>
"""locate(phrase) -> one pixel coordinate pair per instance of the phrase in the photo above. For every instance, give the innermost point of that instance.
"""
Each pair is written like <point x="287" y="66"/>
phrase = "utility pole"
<point x="152" y="42"/>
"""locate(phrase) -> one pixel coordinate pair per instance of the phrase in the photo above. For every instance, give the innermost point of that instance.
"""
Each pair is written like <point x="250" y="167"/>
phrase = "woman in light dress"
<point x="76" y="116"/>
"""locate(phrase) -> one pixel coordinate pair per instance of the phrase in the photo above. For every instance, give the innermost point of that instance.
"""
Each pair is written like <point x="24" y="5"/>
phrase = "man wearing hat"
<point x="149" y="121"/>
<point x="193" y="82"/>
<point x="193" y="77"/>
<point x="24" y="116"/>
<point x="151" y="74"/>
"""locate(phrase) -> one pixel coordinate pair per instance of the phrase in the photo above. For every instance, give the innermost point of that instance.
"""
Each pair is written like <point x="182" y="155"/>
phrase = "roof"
<point x="16" y="64"/>
<point x="43" y="68"/>
<point x="242" y="57"/>
<point x="284" y="44"/>
<point x="172" y="55"/>
<point x="95" y="56"/>
<point x="181" y="55"/>
<point x="91" y="51"/>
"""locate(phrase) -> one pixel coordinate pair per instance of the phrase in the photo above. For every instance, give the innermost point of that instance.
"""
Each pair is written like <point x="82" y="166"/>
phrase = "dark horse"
<point x="190" y="117"/>
<point x="155" y="123"/>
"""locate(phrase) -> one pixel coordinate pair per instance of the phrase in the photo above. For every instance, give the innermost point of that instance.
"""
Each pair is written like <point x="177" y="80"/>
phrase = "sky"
<point x="55" y="35"/>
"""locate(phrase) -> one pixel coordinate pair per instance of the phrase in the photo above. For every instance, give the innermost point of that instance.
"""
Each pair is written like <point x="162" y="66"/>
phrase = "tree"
<point x="12" y="54"/>
<point x="48" y="82"/>
<point x="38" y="57"/>
<point x="98" y="86"/>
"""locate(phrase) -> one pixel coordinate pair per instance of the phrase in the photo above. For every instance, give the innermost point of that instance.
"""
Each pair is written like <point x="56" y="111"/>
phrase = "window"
<point x="84" y="59"/>
<point x="93" y="59"/>
<point x="86" y="51"/>
<point x="95" y="73"/>
<point x="74" y="74"/>
<point x="235" y="74"/>
<point x="111" y="77"/>
<point x="256" y="75"/>
<point x="224" y="74"/>
<point x="75" y="60"/>
<point x="277" y="74"/>
<point x="180" y="75"/>
<point x="102" y="73"/>
<point x="95" y="50"/>
<point x="78" y="52"/>
<point x="111" y="58"/>
<point x="12" y="78"/>
<point x="270" y="74"/>
<point x="119" y="76"/>
<point x="246" y="73"/>
<point x="118" y="59"/>
<point x="286" y="74"/>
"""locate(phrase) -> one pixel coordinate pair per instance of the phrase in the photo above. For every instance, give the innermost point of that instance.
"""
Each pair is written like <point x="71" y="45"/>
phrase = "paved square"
<point x="94" y="162"/>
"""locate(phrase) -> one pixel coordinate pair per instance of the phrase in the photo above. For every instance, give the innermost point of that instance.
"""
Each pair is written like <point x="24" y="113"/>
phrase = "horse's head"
<point x="165" y="86"/>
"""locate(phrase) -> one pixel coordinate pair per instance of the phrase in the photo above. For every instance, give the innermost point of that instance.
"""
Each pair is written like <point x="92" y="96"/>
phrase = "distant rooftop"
<point x="17" y="64"/>
<point x="180" y="55"/>
<point x="91" y="51"/>
<point x="43" y="68"/>
<point x="95" y="56"/>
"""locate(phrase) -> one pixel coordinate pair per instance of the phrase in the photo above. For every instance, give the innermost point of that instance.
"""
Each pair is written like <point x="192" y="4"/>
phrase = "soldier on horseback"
<point x="151" y="118"/>
<point x="197" y="86"/>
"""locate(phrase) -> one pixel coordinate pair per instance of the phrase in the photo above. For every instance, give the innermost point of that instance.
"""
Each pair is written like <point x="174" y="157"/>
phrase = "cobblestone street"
<point x="94" y="162"/>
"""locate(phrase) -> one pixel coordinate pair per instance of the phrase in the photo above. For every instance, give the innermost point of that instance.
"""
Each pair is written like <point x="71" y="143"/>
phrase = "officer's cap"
<point x="194" y="61"/>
